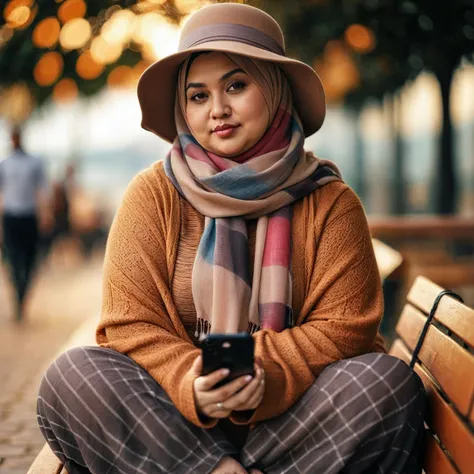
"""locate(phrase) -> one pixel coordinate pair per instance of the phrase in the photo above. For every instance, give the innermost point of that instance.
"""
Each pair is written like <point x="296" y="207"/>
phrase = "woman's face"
<point x="225" y="109"/>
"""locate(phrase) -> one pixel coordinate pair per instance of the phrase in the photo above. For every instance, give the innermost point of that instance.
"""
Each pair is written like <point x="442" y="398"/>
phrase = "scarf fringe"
<point x="203" y="328"/>
<point x="253" y="328"/>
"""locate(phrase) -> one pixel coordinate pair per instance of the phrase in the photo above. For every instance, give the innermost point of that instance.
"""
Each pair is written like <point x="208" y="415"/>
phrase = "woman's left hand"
<point x="250" y="397"/>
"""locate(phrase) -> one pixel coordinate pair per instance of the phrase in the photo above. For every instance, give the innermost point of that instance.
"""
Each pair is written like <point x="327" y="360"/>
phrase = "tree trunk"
<point x="445" y="179"/>
<point x="359" y="178"/>
<point x="398" y="198"/>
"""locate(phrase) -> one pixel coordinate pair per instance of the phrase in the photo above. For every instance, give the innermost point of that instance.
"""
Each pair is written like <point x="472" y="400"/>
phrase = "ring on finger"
<point x="219" y="405"/>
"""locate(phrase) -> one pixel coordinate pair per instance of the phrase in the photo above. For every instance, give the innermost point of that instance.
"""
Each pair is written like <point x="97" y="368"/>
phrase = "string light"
<point x="48" y="69"/>
<point x="360" y="38"/>
<point x="121" y="76"/>
<point x="75" y="33"/>
<point x="65" y="90"/>
<point x="104" y="52"/>
<point x="20" y="13"/>
<point x="46" y="33"/>
<point x="87" y="67"/>
<point x="71" y="9"/>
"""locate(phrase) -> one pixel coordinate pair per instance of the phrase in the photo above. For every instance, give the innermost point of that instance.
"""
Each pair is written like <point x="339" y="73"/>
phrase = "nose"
<point x="220" y="107"/>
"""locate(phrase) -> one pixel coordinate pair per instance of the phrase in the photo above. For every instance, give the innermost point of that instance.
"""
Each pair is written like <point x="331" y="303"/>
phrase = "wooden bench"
<point x="389" y="261"/>
<point x="440" y="248"/>
<point x="445" y="363"/>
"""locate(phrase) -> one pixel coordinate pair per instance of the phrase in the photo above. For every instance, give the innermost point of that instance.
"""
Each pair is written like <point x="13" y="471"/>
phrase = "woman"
<point x="239" y="229"/>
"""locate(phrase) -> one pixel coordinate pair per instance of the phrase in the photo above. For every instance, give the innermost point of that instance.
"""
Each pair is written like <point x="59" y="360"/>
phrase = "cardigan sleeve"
<point x="345" y="295"/>
<point x="138" y="316"/>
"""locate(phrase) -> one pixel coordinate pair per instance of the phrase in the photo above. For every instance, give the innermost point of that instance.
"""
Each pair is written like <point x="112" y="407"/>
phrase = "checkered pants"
<point x="102" y="413"/>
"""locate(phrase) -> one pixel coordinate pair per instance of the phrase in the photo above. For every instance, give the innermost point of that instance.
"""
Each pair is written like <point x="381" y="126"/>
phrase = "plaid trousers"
<point x="100" y="412"/>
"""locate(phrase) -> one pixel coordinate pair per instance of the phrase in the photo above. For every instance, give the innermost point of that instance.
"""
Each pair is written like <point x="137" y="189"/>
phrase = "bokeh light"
<point x="103" y="52"/>
<point x="20" y="13"/>
<point x="5" y="34"/>
<point x="120" y="77"/>
<point x="145" y="25"/>
<point x="187" y="7"/>
<point x="19" y="16"/>
<point x="12" y="5"/>
<point x="337" y="71"/>
<point x="87" y="67"/>
<point x="48" y="69"/>
<point x="119" y="28"/>
<point x="71" y="9"/>
<point x="110" y="11"/>
<point x="360" y="38"/>
<point x="65" y="90"/>
<point x="46" y="33"/>
<point x="16" y="103"/>
<point x="165" y="40"/>
<point x="140" y="68"/>
<point x="158" y="37"/>
<point x="75" y="33"/>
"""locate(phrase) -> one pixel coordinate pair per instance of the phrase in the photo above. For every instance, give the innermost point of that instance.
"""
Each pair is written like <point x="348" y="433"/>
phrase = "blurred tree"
<point x="64" y="47"/>
<point x="392" y="41"/>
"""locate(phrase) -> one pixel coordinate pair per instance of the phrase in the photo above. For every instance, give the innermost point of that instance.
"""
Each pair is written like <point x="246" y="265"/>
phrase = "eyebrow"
<point x="223" y="78"/>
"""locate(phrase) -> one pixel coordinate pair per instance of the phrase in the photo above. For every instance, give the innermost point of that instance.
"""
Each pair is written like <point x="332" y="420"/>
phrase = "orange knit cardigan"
<point x="148" y="314"/>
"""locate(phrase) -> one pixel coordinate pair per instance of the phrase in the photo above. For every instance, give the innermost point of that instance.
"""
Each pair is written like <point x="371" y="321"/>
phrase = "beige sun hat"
<point x="230" y="28"/>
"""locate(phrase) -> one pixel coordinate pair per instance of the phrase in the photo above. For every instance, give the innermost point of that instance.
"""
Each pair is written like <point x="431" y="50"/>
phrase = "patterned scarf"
<point x="261" y="183"/>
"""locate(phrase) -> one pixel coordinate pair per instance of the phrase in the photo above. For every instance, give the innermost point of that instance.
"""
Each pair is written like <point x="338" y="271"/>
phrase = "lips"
<point x="221" y="128"/>
<point x="225" y="131"/>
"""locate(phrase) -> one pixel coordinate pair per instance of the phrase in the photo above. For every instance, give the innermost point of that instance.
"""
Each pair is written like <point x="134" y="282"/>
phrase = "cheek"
<point x="195" y="119"/>
<point x="256" y="112"/>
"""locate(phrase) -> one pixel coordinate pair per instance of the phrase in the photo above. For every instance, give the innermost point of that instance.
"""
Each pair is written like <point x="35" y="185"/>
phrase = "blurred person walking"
<point x="22" y="186"/>
<point x="61" y="198"/>
<point x="56" y="241"/>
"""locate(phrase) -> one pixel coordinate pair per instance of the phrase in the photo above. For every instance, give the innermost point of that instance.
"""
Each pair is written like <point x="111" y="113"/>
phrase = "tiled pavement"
<point x="61" y="299"/>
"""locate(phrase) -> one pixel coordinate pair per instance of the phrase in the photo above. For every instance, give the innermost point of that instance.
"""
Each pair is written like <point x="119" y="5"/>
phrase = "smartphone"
<point x="228" y="351"/>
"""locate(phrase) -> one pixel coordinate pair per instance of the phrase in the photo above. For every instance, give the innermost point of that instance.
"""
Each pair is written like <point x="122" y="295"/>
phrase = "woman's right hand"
<point x="209" y="400"/>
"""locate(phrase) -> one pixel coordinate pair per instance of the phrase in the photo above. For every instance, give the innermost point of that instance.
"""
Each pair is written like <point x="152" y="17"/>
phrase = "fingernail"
<point x="248" y="378"/>
<point x="225" y="372"/>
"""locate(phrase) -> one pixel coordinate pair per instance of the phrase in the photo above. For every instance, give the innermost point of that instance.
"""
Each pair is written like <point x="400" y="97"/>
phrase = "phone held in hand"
<point x="228" y="351"/>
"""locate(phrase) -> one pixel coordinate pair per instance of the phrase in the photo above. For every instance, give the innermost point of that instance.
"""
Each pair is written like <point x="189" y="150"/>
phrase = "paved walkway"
<point x="61" y="299"/>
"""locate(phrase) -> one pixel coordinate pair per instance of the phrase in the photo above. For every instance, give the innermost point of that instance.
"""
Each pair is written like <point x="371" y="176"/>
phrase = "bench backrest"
<point x="445" y="363"/>
<point x="388" y="259"/>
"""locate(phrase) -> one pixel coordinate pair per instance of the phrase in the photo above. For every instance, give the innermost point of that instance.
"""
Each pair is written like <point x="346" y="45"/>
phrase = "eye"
<point x="198" y="97"/>
<point x="236" y="86"/>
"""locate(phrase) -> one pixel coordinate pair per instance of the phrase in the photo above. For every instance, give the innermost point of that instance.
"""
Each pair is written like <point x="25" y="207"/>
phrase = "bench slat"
<point x="388" y="259"/>
<point x="46" y="463"/>
<point x="436" y="461"/>
<point x="453" y="314"/>
<point x="442" y="419"/>
<point x="451" y="365"/>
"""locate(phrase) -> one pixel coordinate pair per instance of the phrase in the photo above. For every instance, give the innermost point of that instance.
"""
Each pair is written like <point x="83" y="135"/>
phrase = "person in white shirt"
<point x="22" y="185"/>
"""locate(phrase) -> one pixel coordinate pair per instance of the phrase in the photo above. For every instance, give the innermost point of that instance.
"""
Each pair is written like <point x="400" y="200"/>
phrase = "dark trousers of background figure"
<point x="20" y="245"/>
<point x="101" y="412"/>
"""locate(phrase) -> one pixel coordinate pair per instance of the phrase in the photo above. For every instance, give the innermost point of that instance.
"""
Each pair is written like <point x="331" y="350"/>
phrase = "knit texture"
<point x="148" y="311"/>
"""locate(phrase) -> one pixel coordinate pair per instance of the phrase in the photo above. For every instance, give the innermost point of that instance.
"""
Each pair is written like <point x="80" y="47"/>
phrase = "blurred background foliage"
<point x="371" y="48"/>
<point x="363" y="50"/>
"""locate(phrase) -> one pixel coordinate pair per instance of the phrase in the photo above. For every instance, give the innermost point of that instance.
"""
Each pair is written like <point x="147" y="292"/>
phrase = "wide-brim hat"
<point x="228" y="28"/>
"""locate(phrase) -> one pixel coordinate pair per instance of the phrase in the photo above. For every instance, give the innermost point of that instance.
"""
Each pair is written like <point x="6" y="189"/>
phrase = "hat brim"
<point x="157" y="87"/>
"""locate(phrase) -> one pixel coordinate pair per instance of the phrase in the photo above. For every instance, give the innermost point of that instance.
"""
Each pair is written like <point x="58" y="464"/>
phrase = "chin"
<point x="228" y="151"/>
